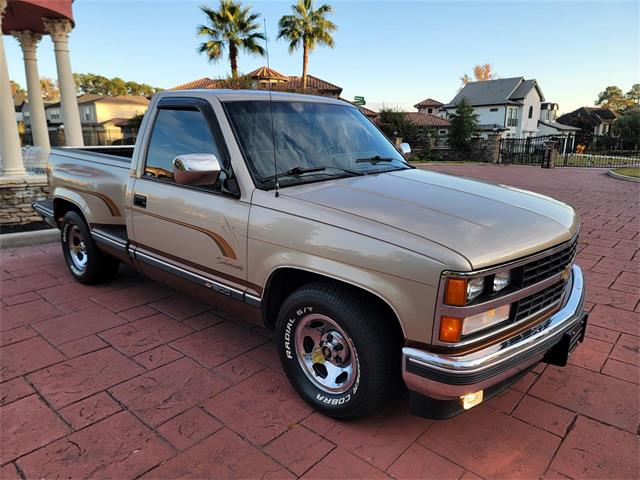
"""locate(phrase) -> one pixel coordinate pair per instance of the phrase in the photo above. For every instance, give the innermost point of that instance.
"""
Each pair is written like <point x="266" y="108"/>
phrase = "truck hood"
<point x="486" y="223"/>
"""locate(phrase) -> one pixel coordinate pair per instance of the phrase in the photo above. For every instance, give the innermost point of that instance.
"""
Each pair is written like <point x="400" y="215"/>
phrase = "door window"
<point x="178" y="132"/>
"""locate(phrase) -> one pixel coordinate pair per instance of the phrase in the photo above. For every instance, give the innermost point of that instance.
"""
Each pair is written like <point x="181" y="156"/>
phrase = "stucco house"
<point x="510" y="106"/>
<point x="547" y="125"/>
<point x="100" y="116"/>
<point x="594" y="120"/>
<point x="429" y="105"/>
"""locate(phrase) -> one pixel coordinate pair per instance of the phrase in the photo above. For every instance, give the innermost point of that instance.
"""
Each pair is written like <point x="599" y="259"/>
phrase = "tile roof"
<point x="501" y="91"/>
<point x="266" y="73"/>
<point x="427" y="120"/>
<point x="428" y="102"/>
<point x="204" y="82"/>
<point x="313" y="82"/>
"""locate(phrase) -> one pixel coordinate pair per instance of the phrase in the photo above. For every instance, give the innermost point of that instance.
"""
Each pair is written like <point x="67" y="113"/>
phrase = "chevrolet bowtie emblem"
<point x="565" y="273"/>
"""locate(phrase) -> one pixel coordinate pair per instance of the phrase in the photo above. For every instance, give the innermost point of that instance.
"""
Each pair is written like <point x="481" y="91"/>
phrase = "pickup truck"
<point x="296" y="212"/>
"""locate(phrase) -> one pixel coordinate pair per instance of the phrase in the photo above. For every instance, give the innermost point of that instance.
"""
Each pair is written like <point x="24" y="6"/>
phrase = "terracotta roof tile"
<point x="428" y="102"/>
<point x="204" y="82"/>
<point x="427" y="120"/>
<point x="266" y="73"/>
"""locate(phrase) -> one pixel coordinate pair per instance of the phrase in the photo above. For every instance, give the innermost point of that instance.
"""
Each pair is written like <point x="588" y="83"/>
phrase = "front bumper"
<point x="449" y="376"/>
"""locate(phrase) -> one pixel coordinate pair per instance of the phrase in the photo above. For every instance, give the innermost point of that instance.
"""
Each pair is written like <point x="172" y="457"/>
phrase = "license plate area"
<point x="560" y="352"/>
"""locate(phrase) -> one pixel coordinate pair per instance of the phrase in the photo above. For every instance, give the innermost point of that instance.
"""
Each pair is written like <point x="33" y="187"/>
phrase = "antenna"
<point x="273" y="133"/>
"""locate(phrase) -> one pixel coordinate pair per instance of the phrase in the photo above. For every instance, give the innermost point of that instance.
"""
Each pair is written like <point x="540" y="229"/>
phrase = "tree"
<point x="394" y="123"/>
<point x="633" y="95"/>
<point x="464" y="123"/>
<point x="613" y="99"/>
<point x="307" y="28"/>
<point x="99" y="85"/>
<point x="627" y="126"/>
<point x="480" y="73"/>
<point x="16" y="89"/>
<point x="49" y="89"/>
<point x="232" y="26"/>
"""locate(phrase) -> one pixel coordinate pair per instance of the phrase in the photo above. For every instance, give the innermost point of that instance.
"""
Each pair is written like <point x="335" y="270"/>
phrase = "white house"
<point x="510" y="106"/>
<point x="430" y="106"/>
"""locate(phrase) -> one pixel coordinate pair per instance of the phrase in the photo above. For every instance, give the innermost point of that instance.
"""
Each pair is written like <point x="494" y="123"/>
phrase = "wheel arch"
<point x="63" y="205"/>
<point x="282" y="281"/>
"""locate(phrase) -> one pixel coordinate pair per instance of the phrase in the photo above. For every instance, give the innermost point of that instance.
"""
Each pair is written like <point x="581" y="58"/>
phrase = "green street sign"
<point x="359" y="100"/>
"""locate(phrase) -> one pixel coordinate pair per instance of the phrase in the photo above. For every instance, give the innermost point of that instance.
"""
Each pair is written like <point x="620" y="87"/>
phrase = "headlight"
<point x="501" y="280"/>
<point x="474" y="288"/>
<point x="452" y="329"/>
<point x="460" y="291"/>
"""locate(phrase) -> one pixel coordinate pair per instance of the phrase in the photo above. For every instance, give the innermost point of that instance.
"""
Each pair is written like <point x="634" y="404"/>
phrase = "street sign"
<point x="359" y="100"/>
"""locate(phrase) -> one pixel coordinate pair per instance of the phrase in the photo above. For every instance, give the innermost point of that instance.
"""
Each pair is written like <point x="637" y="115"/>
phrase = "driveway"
<point x="131" y="380"/>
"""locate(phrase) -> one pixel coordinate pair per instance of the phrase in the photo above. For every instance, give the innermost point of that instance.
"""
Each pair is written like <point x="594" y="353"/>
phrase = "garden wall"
<point x="17" y="193"/>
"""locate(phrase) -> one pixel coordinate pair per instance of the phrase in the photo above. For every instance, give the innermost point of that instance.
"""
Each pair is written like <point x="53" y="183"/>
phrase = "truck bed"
<point x="95" y="178"/>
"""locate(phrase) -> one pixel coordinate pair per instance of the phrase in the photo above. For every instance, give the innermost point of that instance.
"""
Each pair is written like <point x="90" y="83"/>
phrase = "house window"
<point x="512" y="116"/>
<point x="493" y="109"/>
<point x="86" y="113"/>
<point x="55" y="114"/>
<point x="430" y="110"/>
<point x="531" y="111"/>
<point x="442" y="132"/>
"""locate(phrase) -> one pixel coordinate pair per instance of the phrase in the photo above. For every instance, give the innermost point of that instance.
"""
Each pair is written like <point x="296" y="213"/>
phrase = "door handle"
<point x="140" y="200"/>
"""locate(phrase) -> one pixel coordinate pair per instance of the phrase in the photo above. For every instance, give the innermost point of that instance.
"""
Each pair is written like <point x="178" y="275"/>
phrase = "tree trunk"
<point x="233" y="58"/>
<point x="305" y="61"/>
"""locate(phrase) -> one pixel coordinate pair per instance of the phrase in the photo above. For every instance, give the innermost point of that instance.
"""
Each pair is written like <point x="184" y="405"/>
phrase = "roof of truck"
<point x="236" y="95"/>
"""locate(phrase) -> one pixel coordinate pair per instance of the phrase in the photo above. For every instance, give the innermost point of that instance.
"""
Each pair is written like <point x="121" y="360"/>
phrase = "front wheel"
<point x="85" y="261"/>
<point x="337" y="349"/>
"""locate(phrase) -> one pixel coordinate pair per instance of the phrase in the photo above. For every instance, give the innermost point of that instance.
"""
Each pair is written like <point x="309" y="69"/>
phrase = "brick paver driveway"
<point x="129" y="380"/>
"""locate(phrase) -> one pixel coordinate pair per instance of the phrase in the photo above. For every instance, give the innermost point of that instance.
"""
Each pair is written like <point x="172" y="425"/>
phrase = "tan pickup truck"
<point x="370" y="270"/>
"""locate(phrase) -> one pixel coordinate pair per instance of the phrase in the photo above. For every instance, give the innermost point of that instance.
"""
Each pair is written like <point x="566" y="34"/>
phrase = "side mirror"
<point x="196" y="169"/>
<point x="405" y="149"/>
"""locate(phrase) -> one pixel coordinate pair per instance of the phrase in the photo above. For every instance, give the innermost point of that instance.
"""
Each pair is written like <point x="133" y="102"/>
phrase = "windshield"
<point x="313" y="141"/>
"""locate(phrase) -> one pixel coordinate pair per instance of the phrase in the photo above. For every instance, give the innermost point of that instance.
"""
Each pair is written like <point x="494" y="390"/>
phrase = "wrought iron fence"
<point x="570" y="151"/>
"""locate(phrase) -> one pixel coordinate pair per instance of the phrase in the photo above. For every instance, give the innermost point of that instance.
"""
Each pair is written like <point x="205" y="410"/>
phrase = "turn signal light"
<point x="456" y="292"/>
<point x="450" y="329"/>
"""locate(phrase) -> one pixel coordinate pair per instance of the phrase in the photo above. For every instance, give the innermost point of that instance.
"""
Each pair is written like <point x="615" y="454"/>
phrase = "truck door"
<point x="195" y="233"/>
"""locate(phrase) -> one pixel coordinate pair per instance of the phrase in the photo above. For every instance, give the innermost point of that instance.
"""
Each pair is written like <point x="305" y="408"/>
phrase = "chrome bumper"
<point x="449" y="376"/>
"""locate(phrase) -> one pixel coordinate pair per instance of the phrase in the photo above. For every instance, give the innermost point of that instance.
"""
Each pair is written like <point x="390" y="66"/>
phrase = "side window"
<point x="531" y="112"/>
<point x="177" y="132"/>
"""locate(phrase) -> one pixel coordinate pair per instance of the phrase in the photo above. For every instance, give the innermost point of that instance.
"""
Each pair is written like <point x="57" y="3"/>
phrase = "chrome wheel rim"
<point x="326" y="354"/>
<point x="77" y="248"/>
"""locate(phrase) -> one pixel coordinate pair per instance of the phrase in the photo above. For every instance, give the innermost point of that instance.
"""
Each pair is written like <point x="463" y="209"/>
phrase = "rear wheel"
<point x="337" y="349"/>
<point x="85" y="261"/>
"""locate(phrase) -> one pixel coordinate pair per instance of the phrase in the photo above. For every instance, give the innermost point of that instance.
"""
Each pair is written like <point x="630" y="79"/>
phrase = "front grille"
<point x="545" y="267"/>
<point x="527" y="306"/>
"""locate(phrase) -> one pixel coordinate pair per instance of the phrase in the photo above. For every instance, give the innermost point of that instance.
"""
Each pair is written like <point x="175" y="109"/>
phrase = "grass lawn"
<point x="629" y="172"/>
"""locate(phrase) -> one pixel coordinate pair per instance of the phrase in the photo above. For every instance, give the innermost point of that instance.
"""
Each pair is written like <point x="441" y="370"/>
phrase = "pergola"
<point x="28" y="21"/>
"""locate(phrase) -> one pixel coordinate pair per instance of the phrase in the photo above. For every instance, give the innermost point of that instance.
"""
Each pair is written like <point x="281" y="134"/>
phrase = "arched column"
<point x="59" y="30"/>
<point x="9" y="138"/>
<point x="29" y="42"/>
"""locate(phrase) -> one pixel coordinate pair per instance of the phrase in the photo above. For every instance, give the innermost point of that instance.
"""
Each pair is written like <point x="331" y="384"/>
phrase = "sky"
<point x="393" y="53"/>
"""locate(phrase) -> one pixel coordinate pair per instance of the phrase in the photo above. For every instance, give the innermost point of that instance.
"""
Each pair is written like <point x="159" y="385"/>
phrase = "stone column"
<point x="59" y="30"/>
<point x="29" y="42"/>
<point x="10" y="150"/>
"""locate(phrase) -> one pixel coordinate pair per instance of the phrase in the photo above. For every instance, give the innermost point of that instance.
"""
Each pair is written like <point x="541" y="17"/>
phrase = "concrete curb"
<point x="24" y="239"/>
<point x="613" y="174"/>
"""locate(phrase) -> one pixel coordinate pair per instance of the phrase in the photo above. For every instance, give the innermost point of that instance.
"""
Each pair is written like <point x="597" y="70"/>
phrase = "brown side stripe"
<point x="226" y="249"/>
<point x="111" y="205"/>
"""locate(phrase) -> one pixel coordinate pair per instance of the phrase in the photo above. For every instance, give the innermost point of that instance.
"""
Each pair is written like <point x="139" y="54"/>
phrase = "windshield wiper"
<point x="297" y="171"/>
<point x="375" y="159"/>
<point x="378" y="159"/>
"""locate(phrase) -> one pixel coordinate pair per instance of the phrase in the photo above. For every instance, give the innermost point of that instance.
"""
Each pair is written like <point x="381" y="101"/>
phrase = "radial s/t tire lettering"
<point x="86" y="262"/>
<point x="338" y="349"/>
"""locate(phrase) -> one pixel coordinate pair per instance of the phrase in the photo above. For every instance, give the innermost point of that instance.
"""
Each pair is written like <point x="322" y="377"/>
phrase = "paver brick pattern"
<point x="131" y="379"/>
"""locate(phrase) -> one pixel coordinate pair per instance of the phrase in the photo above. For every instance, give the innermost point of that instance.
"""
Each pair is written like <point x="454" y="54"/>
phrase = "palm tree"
<point x="233" y="26"/>
<point x="307" y="27"/>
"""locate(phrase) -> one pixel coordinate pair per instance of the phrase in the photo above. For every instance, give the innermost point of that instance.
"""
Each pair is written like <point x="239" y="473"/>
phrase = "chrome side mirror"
<point x="196" y="169"/>
<point x="405" y="149"/>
